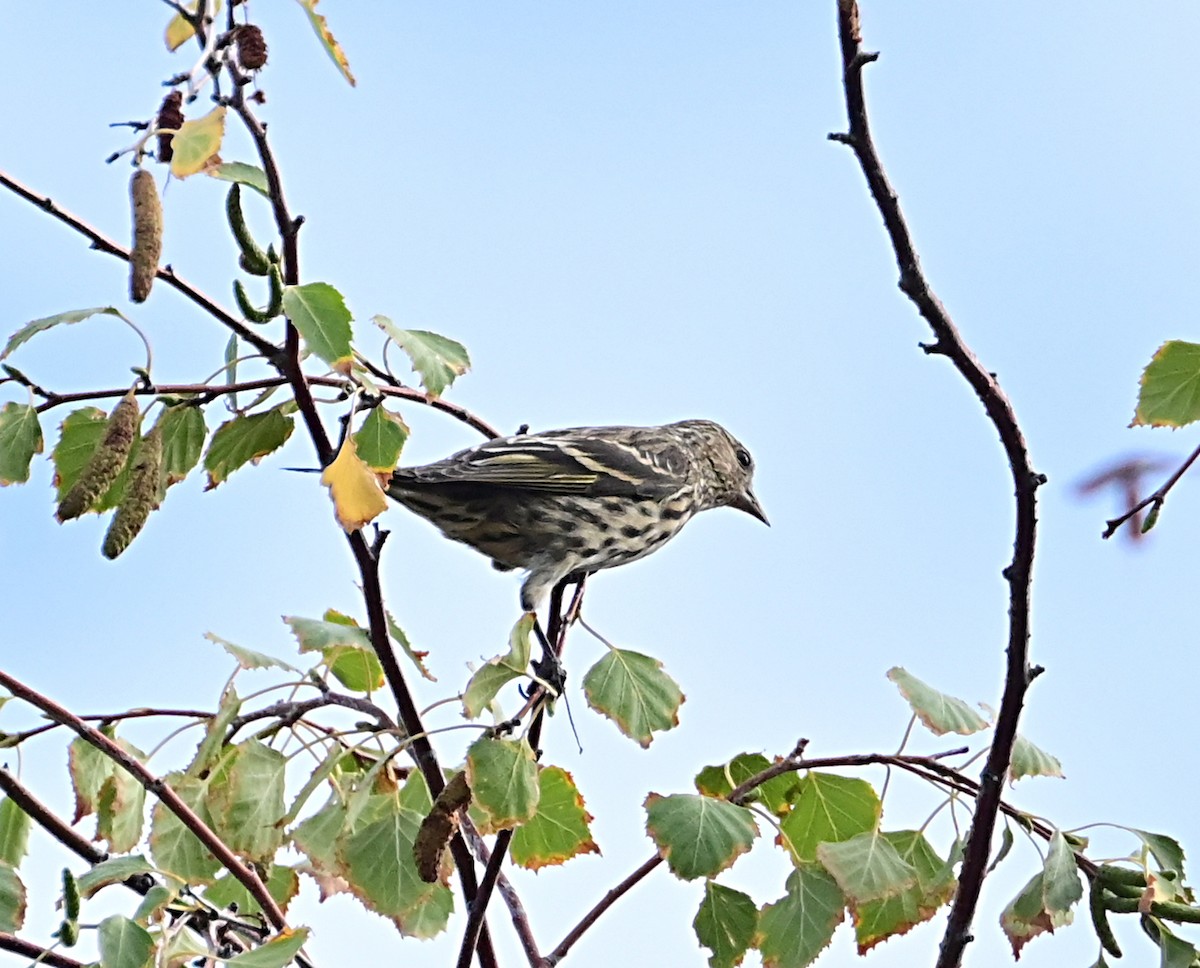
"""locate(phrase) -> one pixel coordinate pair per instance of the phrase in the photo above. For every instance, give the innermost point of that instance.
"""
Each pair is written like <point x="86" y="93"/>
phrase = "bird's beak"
<point x="746" y="501"/>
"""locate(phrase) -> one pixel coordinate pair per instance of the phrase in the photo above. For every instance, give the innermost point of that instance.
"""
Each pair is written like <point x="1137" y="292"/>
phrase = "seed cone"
<point x="170" y="117"/>
<point x="106" y="462"/>
<point x="140" y="499"/>
<point x="147" y="234"/>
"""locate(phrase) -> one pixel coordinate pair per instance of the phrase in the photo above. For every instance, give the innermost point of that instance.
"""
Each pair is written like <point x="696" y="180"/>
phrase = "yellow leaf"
<point x="354" y="487"/>
<point x="197" y="142"/>
<point x="332" y="47"/>
<point x="179" y="31"/>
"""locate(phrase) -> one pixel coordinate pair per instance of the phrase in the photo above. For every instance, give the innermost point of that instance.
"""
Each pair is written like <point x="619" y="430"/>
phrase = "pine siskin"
<point x="571" y="502"/>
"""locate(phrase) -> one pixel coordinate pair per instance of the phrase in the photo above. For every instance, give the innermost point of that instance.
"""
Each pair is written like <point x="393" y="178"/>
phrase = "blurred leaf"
<point x="1029" y="760"/>
<point x="697" y="835"/>
<point x="437" y="359"/>
<point x="14" y="833"/>
<point x="418" y="658"/>
<point x="276" y="953"/>
<point x="176" y="849"/>
<point x="867" y="868"/>
<point x="381" y="438"/>
<point x="89" y="769"/>
<point x="332" y="47"/>
<point x="559" y="830"/>
<point x="1061" y="883"/>
<point x="183" y="433"/>
<point x="245" y="440"/>
<point x="248" y="658"/>
<point x="123" y="943"/>
<point x="319" y="312"/>
<point x="940" y="713"/>
<point x="357" y="494"/>
<point x="503" y="777"/>
<point x="12" y="900"/>
<point x="179" y="31"/>
<point x="31" y="329"/>
<point x="197" y="142"/>
<point x="500" y="670"/>
<point x="725" y="924"/>
<point x="1166" y="850"/>
<point x="20" y="439"/>
<point x="246" y="799"/>
<point x="356" y="668"/>
<point x="1170" y="387"/>
<point x="877" y="921"/>
<point x="215" y="730"/>
<point x="283" y="883"/>
<point x="316" y="635"/>
<point x="830" y="808"/>
<point x="794" y="930"/>
<point x="776" y="794"/>
<point x="115" y="870"/>
<point x="122" y="809"/>
<point x="632" y="690"/>
<point x="243" y="174"/>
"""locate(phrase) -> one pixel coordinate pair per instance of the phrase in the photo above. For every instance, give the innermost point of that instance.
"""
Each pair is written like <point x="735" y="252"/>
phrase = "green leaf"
<point x="174" y="848"/>
<point x="1175" y="952"/>
<point x="247" y="800"/>
<point x="20" y="439"/>
<point x="867" y="868"/>
<point x="940" y="713"/>
<point x="246" y="439"/>
<point x="1166" y="850"/>
<point x="283" y="883"/>
<point x="500" y="670"/>
<point x="355" y="667"/>
<point x="1029" y="760"/>
<point x="376" y="860"/>
<point x="829" y="808"/>
<point x="438" y="360"/>
<point x="123" y="943"/>
<point x="183" y="433"/>
<point x="319" y="312"/>
<point x="14" y="833"/>
<point x="89" y="769"/>
<point x="31" y="329"/>
<point x="1170" y="387"/>
<point x="243" y="174"/>
<point x="632" y="690"/>
<point x="315" y="635"/>
<point x="152" y="903"/>
<point x="276" y="953"/>
<point x="776" y="794"/>
<point x="215" y="731"/>
<point x="1060" y="884"/>
<point x="332" y="47"/>
<point x="559" y="830"/>
<point x="697" y="835"/>
<point x="197" y="142"/>
<point x="115" y="870"/>
<point x="122" y="806"/>
<point x="725" y="924"/>
<point x="12" y="900"/>
<point x="381" y="438"/>
<point x="80" y="435"/>
<point x="248" y="658"/>
<point x="503" y="777"/>
<point x="879" y="920"/>
<point x="794" y="930"/>
<point x="418" y="658"/>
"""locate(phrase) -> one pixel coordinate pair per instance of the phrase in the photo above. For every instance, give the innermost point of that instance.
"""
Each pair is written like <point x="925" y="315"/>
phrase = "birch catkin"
<point x="147" y="234"/>
<point x="106" y="462"/>
<point x="140" y="498"/>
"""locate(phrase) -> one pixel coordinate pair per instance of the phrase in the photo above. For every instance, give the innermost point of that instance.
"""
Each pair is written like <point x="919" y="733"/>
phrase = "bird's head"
<point x="725" y="466"/>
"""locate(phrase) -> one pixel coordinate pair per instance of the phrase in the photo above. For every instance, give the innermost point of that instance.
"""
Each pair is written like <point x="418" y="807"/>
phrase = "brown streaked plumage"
<point x="575" y="501"/>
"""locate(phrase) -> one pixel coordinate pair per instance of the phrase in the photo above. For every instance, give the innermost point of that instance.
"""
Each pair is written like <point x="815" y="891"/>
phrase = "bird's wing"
<point x="581" y="461"/>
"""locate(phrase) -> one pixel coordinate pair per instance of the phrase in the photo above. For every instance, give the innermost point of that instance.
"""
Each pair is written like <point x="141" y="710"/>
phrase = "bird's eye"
<point x="743" y="457"/>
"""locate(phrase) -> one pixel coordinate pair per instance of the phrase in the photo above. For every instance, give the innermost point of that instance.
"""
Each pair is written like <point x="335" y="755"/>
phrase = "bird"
<point x="567" y="503"/>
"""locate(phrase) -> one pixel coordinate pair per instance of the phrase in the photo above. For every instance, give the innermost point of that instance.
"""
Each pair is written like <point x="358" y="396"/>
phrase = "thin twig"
<point x="1157" y="498"/>
<point x="102" y="243"/>
<point x="40" y="955"/>
<point x="512" y="900"/>
<point x="948" y="342"/>
<point x="602" y="905"/>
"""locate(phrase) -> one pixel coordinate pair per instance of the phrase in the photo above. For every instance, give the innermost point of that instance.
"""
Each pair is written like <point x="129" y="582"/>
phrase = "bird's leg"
<point x="550" y="668"/>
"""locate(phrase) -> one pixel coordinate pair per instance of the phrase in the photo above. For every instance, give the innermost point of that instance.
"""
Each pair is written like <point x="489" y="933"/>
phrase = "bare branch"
<point x="1157" y="498"/>
<point x="948" y="342"/>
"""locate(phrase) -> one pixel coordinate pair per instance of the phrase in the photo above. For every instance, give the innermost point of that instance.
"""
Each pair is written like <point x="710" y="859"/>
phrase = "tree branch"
<point x="949" y="343"/>
<point x="102" y="243"/>
<point x="603" y="905"/>
<point x="49" y="821"/>
<point x="1157" y="498"/>
<point x="40" y="955"/>
<point x="154" y="785"/>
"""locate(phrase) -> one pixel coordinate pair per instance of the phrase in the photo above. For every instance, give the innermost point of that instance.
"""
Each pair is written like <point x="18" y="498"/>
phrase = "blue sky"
<point x="630" y="213"/>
